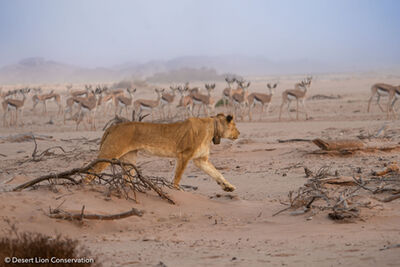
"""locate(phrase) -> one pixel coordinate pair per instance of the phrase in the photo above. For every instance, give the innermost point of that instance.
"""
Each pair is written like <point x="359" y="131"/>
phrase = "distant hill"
<point x="243" y="65"/>
<point x="40" y="70"/>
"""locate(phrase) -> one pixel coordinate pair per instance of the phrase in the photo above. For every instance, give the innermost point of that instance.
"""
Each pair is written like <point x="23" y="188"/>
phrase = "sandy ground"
<point x="208" y="227"/>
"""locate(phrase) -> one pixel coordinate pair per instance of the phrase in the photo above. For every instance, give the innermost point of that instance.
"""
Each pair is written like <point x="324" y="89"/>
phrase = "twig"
<point x="319" y="97"/>
<point x="285" y="209"/>
<point x="152" y="186"/>
<point x="61" y="175"/>
<point x="391" y="246"/>
<point x="35" y="149"/>
<point x="59" y="214"/>
<point x="391" y="198"/>
<point x="36" y="157"/>
<point x="60" y="204"/>
<point x="41" y="179"/>
<point x="57" y="198"/>
<point x="361" y="184"/>
<point x="344" y="199"/>
<point x="83" y="208"/>
<point x="24" y="137"/>
<point x="294" y="140"/>
<point x="116" y="120"/>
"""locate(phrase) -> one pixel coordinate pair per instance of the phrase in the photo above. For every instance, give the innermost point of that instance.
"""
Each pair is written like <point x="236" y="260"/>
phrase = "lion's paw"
<point x="228" y="187"/>
<point x="177" y="187"/>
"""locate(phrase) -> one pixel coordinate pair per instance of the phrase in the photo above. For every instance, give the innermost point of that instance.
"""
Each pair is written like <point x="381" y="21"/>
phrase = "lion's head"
<point x="225" y="127"/>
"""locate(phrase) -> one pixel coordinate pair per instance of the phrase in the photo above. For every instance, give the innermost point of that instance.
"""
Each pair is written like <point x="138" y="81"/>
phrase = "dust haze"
<point x="120" y="39"/>
<point x="312" y="86"/>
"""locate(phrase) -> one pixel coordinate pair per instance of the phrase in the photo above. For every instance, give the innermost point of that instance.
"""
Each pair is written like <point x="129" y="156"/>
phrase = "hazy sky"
<point x="103" y="33"/>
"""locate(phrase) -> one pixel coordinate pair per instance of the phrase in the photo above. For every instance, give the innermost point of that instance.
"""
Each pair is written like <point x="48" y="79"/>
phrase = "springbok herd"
<point x="83" y="105"/>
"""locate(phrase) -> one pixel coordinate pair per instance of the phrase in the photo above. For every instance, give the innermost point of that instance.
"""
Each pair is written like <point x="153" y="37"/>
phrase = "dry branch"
<point x="392" y="168"/>
<point x="36" y="157"/>
<point x="294" y="140"/>
<point x="117" y="181"/>
<point x="338" y="144"/>
<point x="61" y="214"/>
<point x="118" y="119"/>
<point x="342" y="180"/>
<point x="321" y="97"/>
<point x="341" y="195"/>
<point x="347" y="147"/>
<point x="23" y="138"/>
<point x="390" y="246"/>
<point x="391" y="198"/>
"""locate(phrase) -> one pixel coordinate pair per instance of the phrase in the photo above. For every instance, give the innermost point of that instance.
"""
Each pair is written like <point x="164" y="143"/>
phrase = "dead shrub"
<point x="28" y="245"/>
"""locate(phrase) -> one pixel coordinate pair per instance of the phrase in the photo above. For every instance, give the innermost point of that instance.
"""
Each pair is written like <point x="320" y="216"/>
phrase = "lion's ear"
<point x="229" y="118"/>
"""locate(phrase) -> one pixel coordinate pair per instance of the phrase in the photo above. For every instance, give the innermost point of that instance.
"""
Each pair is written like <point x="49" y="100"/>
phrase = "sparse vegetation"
<point x="43" y="249"/>
<point x="221" y="103"/>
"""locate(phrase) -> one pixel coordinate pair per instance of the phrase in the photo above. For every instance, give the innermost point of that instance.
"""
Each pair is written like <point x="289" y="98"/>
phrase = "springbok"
<point x="166" y="100"/>
<point x="109" y="99"/>
<point x="204" y="101"/>
<point x="87" y="108"/>
<point x="3" y="95"/>
<point x="79" y="93"/>
<point x="227" y="92"/>
<point x="43" y="98"/>
<point x="15" y="105"/>
<point x="186" y="101"/>
<point x="379" y="90"/>
<point x="122" y="101"/>
<point x="9" y="93"/>
<point x="194" y="90"/>
<point x="298" y="94"/>
<point x="69" y="106"/>
<point x="261" y="99"/>
<point x="73" y="100"/>
<point x="394" y="94"/>
<point x="240" y="98"/>
<point x="144" y="104"/>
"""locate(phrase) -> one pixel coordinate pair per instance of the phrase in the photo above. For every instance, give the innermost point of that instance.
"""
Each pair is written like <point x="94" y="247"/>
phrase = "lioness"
<point x="184" y="141"/>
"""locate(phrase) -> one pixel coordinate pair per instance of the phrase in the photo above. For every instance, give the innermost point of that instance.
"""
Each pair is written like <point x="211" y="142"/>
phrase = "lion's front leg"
<point x="208" y="168"/>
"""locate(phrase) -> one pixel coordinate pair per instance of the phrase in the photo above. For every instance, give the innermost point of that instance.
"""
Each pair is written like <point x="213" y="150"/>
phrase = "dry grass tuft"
<point x="28" y="245"/>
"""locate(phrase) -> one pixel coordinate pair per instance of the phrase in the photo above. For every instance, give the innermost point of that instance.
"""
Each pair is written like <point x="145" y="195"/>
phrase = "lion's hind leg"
<point x="97" y="168"/>
<point x="130" y="157"/>
<point x="181" y="164"/>
<point x="208" y="168"/>
<point x="100" y="166"/>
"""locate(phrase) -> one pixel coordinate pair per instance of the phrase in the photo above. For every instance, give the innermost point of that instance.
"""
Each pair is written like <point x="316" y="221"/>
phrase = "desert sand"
<point x="209" y="227"/>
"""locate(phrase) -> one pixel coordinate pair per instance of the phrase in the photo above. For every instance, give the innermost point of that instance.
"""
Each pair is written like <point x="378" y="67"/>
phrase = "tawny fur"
<point x="187" y="140"/>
